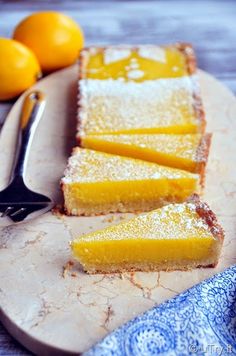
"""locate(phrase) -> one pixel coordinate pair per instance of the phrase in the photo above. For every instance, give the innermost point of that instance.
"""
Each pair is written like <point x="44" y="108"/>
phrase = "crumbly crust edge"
<point x="155" y="268"/>
<point x="207" y="215"/>
<point x="202" y="157"/>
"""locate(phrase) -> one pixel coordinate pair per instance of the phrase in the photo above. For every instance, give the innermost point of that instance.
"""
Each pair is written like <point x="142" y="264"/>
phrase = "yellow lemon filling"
<point x="137" y="64"/>
<point x="175" y="236"/>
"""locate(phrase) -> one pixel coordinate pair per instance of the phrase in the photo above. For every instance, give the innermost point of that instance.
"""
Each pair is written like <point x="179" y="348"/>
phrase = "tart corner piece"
<point x="175" y="237"/>
<point x="101" y="183"/>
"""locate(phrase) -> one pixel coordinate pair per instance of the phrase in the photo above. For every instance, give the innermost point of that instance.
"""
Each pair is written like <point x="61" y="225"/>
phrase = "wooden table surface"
<point x="209" y="25"/>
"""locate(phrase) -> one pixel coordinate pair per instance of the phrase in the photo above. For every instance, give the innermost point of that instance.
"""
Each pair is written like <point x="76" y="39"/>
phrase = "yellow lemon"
<point x="55" y="39"/>
<point x="19" y="68"/>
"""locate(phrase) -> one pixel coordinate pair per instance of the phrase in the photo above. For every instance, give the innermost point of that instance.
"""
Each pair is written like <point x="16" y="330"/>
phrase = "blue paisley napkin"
<point x="200" y="321"/>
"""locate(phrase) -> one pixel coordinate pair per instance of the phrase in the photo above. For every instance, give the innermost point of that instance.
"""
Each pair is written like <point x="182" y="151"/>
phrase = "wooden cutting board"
<point x="48" y="303"/>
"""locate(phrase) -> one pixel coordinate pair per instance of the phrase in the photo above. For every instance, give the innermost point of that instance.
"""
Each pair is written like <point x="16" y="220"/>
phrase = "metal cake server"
<point x="17" y="202"/>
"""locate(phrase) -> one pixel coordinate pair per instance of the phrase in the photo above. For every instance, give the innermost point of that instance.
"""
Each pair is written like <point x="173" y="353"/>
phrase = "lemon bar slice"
<point x="177" y="236"/>
<point x="163" y="100"/>
<point x="189" y="152"/>
<point x="99" y="183"/>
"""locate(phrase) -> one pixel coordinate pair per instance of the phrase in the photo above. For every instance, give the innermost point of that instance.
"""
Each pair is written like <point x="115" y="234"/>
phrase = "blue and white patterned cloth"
<point x="200" y="321"/>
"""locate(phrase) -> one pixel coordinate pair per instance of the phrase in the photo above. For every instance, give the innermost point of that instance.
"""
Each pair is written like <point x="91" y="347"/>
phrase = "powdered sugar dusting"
<point x="111" y="105"/>
<point x="153" y="52"/>
<point x="114" y="54"/>
<point x="93" y="166"/>
<point x="174" y="221"/>
<point x="135" y="74"/>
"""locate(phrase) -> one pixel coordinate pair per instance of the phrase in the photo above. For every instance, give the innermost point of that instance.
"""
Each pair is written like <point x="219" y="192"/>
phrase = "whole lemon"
<point x="19" y="68"/>
<point x="54" y="37"/>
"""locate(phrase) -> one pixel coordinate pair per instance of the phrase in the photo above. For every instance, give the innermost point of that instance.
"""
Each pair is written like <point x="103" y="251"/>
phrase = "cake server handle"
<point x="32" y="110"/>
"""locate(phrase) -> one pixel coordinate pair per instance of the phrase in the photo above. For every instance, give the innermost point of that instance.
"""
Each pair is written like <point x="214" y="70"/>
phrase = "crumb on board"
<point x="67" y="267"/>
<point x="109" y="219"/>
<point x="58" y="210"/>
<point x="122" y="217"/>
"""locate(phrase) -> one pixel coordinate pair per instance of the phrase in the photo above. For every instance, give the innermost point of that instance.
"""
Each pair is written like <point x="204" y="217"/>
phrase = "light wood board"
<point x="50" y="309"/>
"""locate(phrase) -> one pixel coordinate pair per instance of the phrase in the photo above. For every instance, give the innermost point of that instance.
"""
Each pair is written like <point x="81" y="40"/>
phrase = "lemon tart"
<point x="177" y="236"/>
<point x="144" y="89"/>
<point x="100" y="183"/>
<point x="188" y="152"/>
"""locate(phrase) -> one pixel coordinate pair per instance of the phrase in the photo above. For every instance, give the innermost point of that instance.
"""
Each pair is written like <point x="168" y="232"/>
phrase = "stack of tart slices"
<point x="142" y="147"/>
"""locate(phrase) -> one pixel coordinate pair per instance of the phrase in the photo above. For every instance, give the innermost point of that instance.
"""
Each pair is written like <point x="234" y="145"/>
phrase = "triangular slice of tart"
<point x="189" y="152"/>
<point x="177" y="236"/>
<point x="99" y="183"/>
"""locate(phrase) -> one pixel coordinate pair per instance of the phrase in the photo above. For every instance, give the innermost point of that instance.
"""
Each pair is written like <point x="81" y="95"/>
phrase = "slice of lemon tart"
<point x="189" y="152"/>
<point x="99" y="183"/>
<point x="143" y="89"/>
<point x="177" y="236"/>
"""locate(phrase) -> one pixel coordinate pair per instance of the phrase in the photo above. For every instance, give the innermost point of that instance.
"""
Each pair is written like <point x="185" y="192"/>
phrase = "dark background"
<point x="210" y="25"/>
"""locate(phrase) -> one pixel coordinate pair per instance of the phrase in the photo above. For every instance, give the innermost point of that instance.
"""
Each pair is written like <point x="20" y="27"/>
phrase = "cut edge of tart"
<point x="175" y="237"/>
